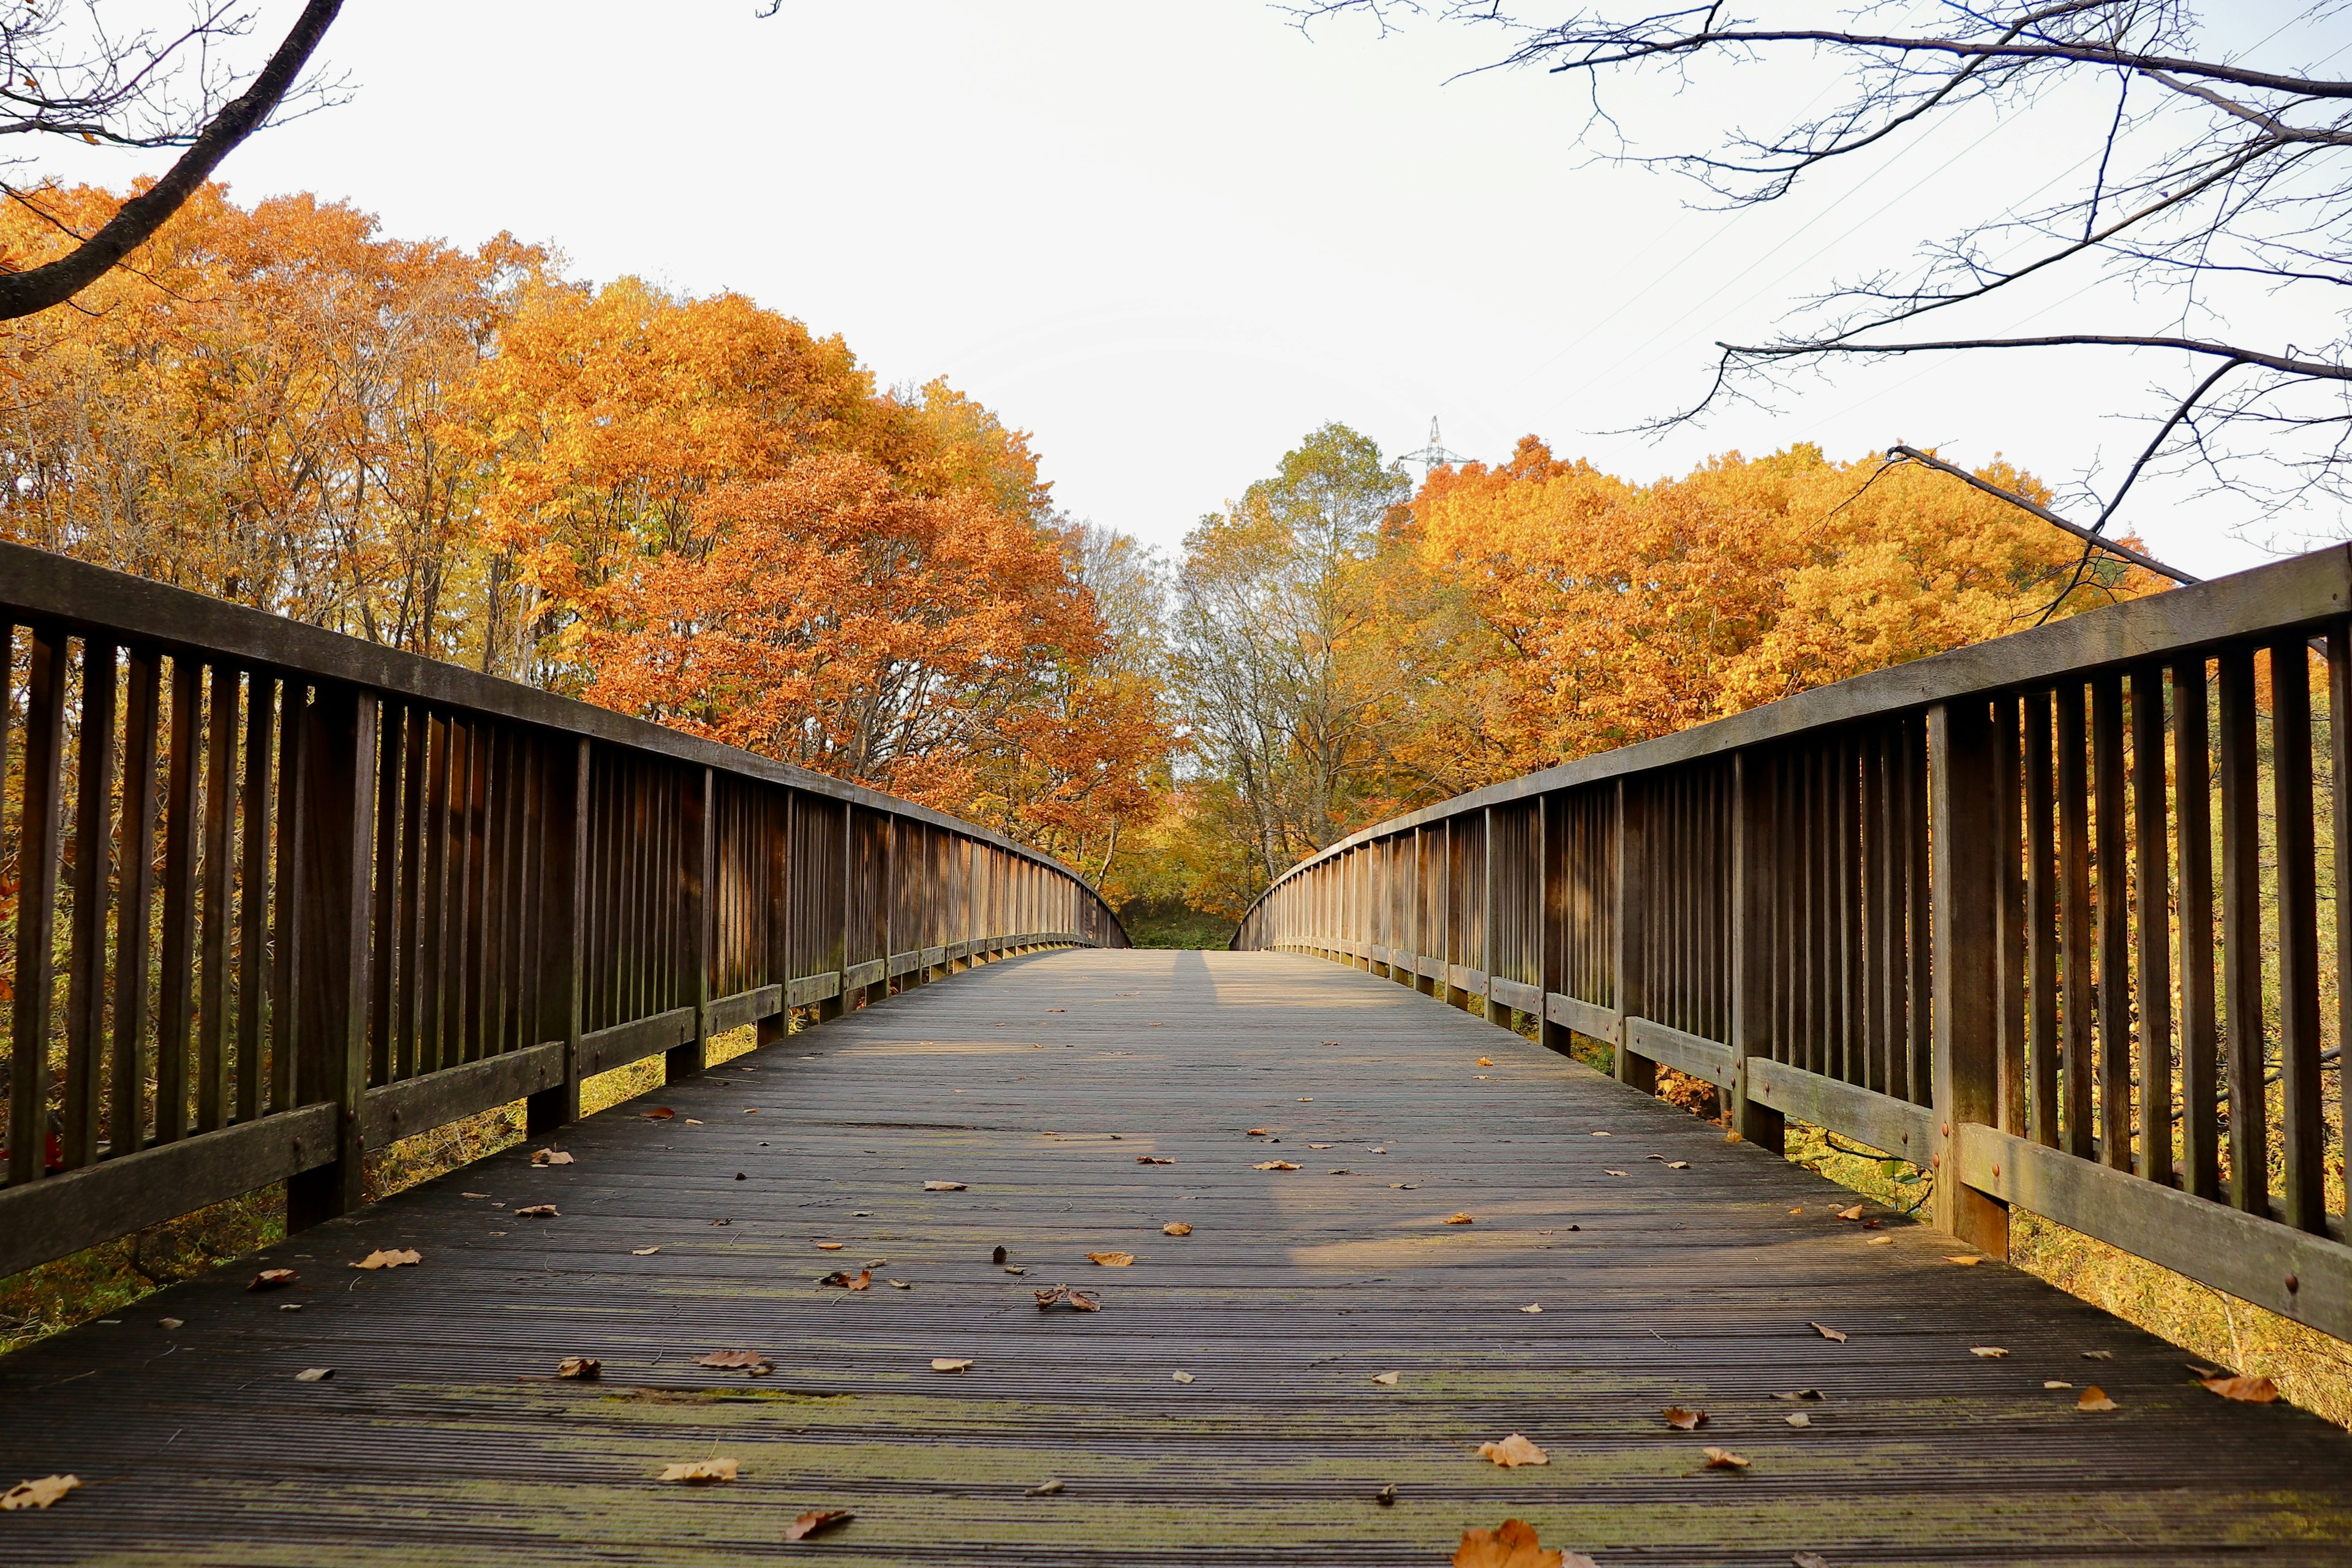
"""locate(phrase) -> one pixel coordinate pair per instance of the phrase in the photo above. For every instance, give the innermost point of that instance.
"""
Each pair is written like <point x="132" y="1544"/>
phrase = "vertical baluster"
<point x="1916" y="810"/>
<point x="2042" y="1049"/>
<point x="433" y="936"/>
<point x="142" y="722"/>
<point x="1879" y="1055"/>
<point x="2242" y="935"/>
<point x="41" y="829"/>
<point x="287" y="975"/>
<point x="391" y="720"/>
<point x="1965" y="1079"/>
<point x="2339" y="816"/>
<point x="2074" y="914"/>
<point x="175" y="970"/>
<point x="2151" y="910"/>
<point x="474" y="938"/>
<point x="1850" y="1064"/>
<point x="92" y="867"/>
<point x="213" y="1063"/>
<point x="2200" y="1042"/>
<point x="252" y="891"/>
<point x="2301" y="1131"/>
<point x="2113" y="984"/>
<point x="2009" y="915"/>
<point x="330" y="813"/>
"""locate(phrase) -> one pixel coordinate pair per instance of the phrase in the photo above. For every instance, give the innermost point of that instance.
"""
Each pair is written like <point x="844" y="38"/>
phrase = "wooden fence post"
<point x="779" y="966"/>
<point x="332" y="905"/>
<point x="695" y="842"/>
<point x="1551" y="949"/>
<point x="1496" y="1013"/>
<point x="1753" y="853"/>
<point x="1628" y="893"/>
<point x="1964" y="960"/>
<point x="563" y="916"/>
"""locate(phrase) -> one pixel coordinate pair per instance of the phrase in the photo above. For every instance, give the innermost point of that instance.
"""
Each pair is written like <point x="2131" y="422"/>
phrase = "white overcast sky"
<point x="1169" y="239"/>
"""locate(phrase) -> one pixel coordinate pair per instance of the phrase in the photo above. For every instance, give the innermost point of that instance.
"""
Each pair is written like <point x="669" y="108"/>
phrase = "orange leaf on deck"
<point x="1463" y="1218"/>
<point x="1111" y="1260"/>
<point x="551" y="1157"/>
<point x="380" y="1258"/>
<point x="659" y="1113"/>
<point x="583" y="1368"/>
<point x="1153" y="1160"/>
<point x="1854" y="1213"/>
<point x="1176" y="1227"/>
<point x="38" y="1494"/>
<point x="2245" y="1390"/>
<point x="1513" y="1544"/>
<point x="949" y="1363"/>
<point x="1257" y="1133"/>
<point x="272" y="1279"/>
<point x="1684" y="1420"/>
<point x="751" y="1362"/>
<point x="848" y="1281"/>
<point x="1827" y="1333"/>
<point x="1513" y="1451"/>
<point x="2096" y="1398"/>
<point x="1274" y="1165"/>
<point x="1990" y="1353"/>
<point x="943" y="1186"/>
<point x="537" y="1211"/>
<point x="1486" y="1061"/>
<point x="810" y="1522"/>
<point x="1724" y="1459"/>
<point x="701" y="1472"/>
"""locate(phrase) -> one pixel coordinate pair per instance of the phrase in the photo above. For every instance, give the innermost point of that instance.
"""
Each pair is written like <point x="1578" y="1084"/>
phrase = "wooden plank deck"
<point x="1039" y="1082"/>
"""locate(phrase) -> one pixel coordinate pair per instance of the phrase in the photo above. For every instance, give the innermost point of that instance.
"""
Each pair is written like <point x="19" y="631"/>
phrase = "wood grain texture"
<point x="1659" y="1287"/>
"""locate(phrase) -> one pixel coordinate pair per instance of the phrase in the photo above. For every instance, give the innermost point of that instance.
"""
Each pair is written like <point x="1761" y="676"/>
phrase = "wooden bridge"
<point x="1965" y="911"/>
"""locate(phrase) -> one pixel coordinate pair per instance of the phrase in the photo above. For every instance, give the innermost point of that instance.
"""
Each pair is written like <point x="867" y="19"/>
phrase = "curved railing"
<point x="1965" y="910"/>
<point x="282" y="897"/>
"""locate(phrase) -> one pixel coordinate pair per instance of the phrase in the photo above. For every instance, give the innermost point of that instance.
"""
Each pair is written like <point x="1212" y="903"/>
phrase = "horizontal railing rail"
<point x="274" y="898"/>
<point x="2042" y="916"/>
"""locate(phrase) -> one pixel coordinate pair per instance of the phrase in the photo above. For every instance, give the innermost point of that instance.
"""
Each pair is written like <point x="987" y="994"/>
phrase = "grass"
<point x="104" y="1280"/>
<point x="1170" y="922"/>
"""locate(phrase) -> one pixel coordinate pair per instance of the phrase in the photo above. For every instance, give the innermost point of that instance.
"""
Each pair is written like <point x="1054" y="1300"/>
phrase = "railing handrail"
<point x="2280" y="596"/>
<point x="37" y="585"/>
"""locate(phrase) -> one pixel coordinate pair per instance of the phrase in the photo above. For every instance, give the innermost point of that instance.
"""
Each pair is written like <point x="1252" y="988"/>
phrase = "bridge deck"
<point x="1039" y="1083"/>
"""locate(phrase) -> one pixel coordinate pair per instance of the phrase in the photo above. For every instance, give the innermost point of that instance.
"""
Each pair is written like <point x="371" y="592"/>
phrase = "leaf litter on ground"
<point x="1512" y="1452"/>
<point x="1512" y="1544"/>
<point x="701" y="1472"/>
<point x="816" y="1520"/>
<point x="751" y="1361"/>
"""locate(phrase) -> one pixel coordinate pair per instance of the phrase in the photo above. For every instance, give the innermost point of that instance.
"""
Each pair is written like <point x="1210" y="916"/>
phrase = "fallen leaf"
<point x="2055" y="1382"/>
<point x="1274" y="1165"/>
<point x="1154" y="1160"/>
<point x="1111" y="1260"/>
<point x="1513" y="1451"/>
<point x="1826" y="1334"/>
<point x="1486" y="1061"/>
<point x="1880" y="1241"/>
<point x="38" y="1494"/>
<point x="997" y="1255"/>
<point x="831" y="1245"/>
<point x="816" y="1519"/>
<point x="1048" y="1488"/>
<point x="1012" y="1269"/>
<point x="1965" y="1259"/>
<point x="1990" y="1353"/>
<point x="272" y="1279"/>
<point x="1854" y="1213"/>
<point x="848" y="1281"/>
<point x="473" y="1194"/>
<point x="696" y="1122"/>
<point x="1809" y="1560"/>
<point x="1679" y="1164"/>
<point x="172" y="1323"/>
<point x="1513" y="1544"/>
<point x="1811" y="1396"/>
<point x="1798" y="1419"/>
<point x="1684" y="1420"/>
<point x="551" y="1157"/>
<point x="1308" y="1099"/>
<point x="2099" y="1356"/>
<point x="1612" y="1172"/>
<point x="581" y="1368"/>
<point x="1321" y="1145"/>
<point x="1385" y="1379"/>
<point x="1459" y="1219"/>
<point x="1531" y="1307"/>
<point x="1386" y="1496"/>
<point x="1257" y="1133"/>
<point x="537" y="1211"/>
<point x="1597" y="1135"/>
<point x="1337" y="1171"/>
<point x="314" y="1375"/>
<point x="643" y="1251"/>
<point x="948" y="1364"/>
<point x="1379" y="1150"/>
<point x="701" y="1472"/>
<point x="2245" y="1390"/>
<point x="943" y="1186"/>
<point x="2096" y="1398"/>
<point x="751" y="1362"/>
<point x="1176" y="1227"/>
<point x="1724" y="1459"/>
<point x="659" y="1113"/>
<point x="1063" y="1295"/>
<point x="2201" y="1373"/>
<point x="384" y="1259"/>
<point x="1796" y="1211"/>
<point x="1183" y="1377"/>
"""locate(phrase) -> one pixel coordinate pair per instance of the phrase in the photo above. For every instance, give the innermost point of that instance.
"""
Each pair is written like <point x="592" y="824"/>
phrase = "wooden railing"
<point x="2040" y="915"/>
<point x="281" y="896"/>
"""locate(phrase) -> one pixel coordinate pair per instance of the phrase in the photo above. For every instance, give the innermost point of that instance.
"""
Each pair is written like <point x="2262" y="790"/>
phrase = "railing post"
<point x="563" y="917"/>
<point x="1963" y="961"/>
<point x="333" y="903"/>
<point x="1627" y="893"/>
<point x="1551" y="920"/>
<point x="1497" y="1012"/>
<point x="700" y="826"/>
<point x="1753" y="855"/>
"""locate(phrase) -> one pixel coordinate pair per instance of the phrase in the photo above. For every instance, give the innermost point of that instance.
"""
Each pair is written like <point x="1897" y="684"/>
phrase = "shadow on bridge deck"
<point x="1040" y="1083"/>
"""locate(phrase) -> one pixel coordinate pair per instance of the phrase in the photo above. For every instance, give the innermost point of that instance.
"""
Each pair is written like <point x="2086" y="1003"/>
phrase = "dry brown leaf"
<point x="1063" y="1295"/>
<point x="1724" y="1459"/>
<point x="1385" y="1379"/>
<point x="1532" y="1307"/>
<point x="1684" y="1420"/>
<point x="2099" y="1356"/>
<point x="643" y="1251"/>
<point x="1809" y="1560"/>
<point x="2245" y="1390"/>
<point x="272" y="1279"/>
<point x="751" y="1362"/>
<point x="583" y="1368"/>
<point x="949" y="1363"/>
<point x="1182" y="1376"/>
<point x="1679" y="1164"/>
<point x="2096" y="1398"/>
<point x="1990" y="1353"/>
<point x="1259" y="1133"/>
<point x="831" y="1245"/>
<point x="173" y="1322"/>
<point x="816" y="1519"/>
<point x="1854" y="1213"/>
<point x="1809" y="1395"/>
<point x="1798" y="1419"/>
<point x="1463" y="1218"/>
<point x="2055" y="1382"/>
<point x="1308" y="1099"/>
<point x="943" y="1186"/>
<point x="1513" y="1544"/>
<point x="659" y="1113"/>
<point x="1880" y="1241"/>
<point x="314" y="1375"/>
<point x="848" y="1281"/>
<point x="1111" y="1260"/>
<point x="1322" y="1145"/>
<point x="1153" y="1160"/>
<point x="1176" y="1227"/>
<point x="1965" y="1259"/>
<point x="1827" y="1333"/>
<point x="1513" y="1451"/>
<point x="1044" y="1489"/>
<point x="380" y="1258"/>
<point x="537" y="1211"/>
<point x="38" y="1494"/>
<point x="1486" y="1061"/>
<point x="1338" y="1171"/>
<point x="1274" y="1165"/>
<point x="1612" y="1172"/>
<point x="701" y="1472"/>
<point x="551" y="1157"/>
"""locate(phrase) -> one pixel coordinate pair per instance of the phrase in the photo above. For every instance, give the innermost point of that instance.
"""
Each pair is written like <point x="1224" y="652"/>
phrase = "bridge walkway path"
<point x="1082" y="1101"/>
